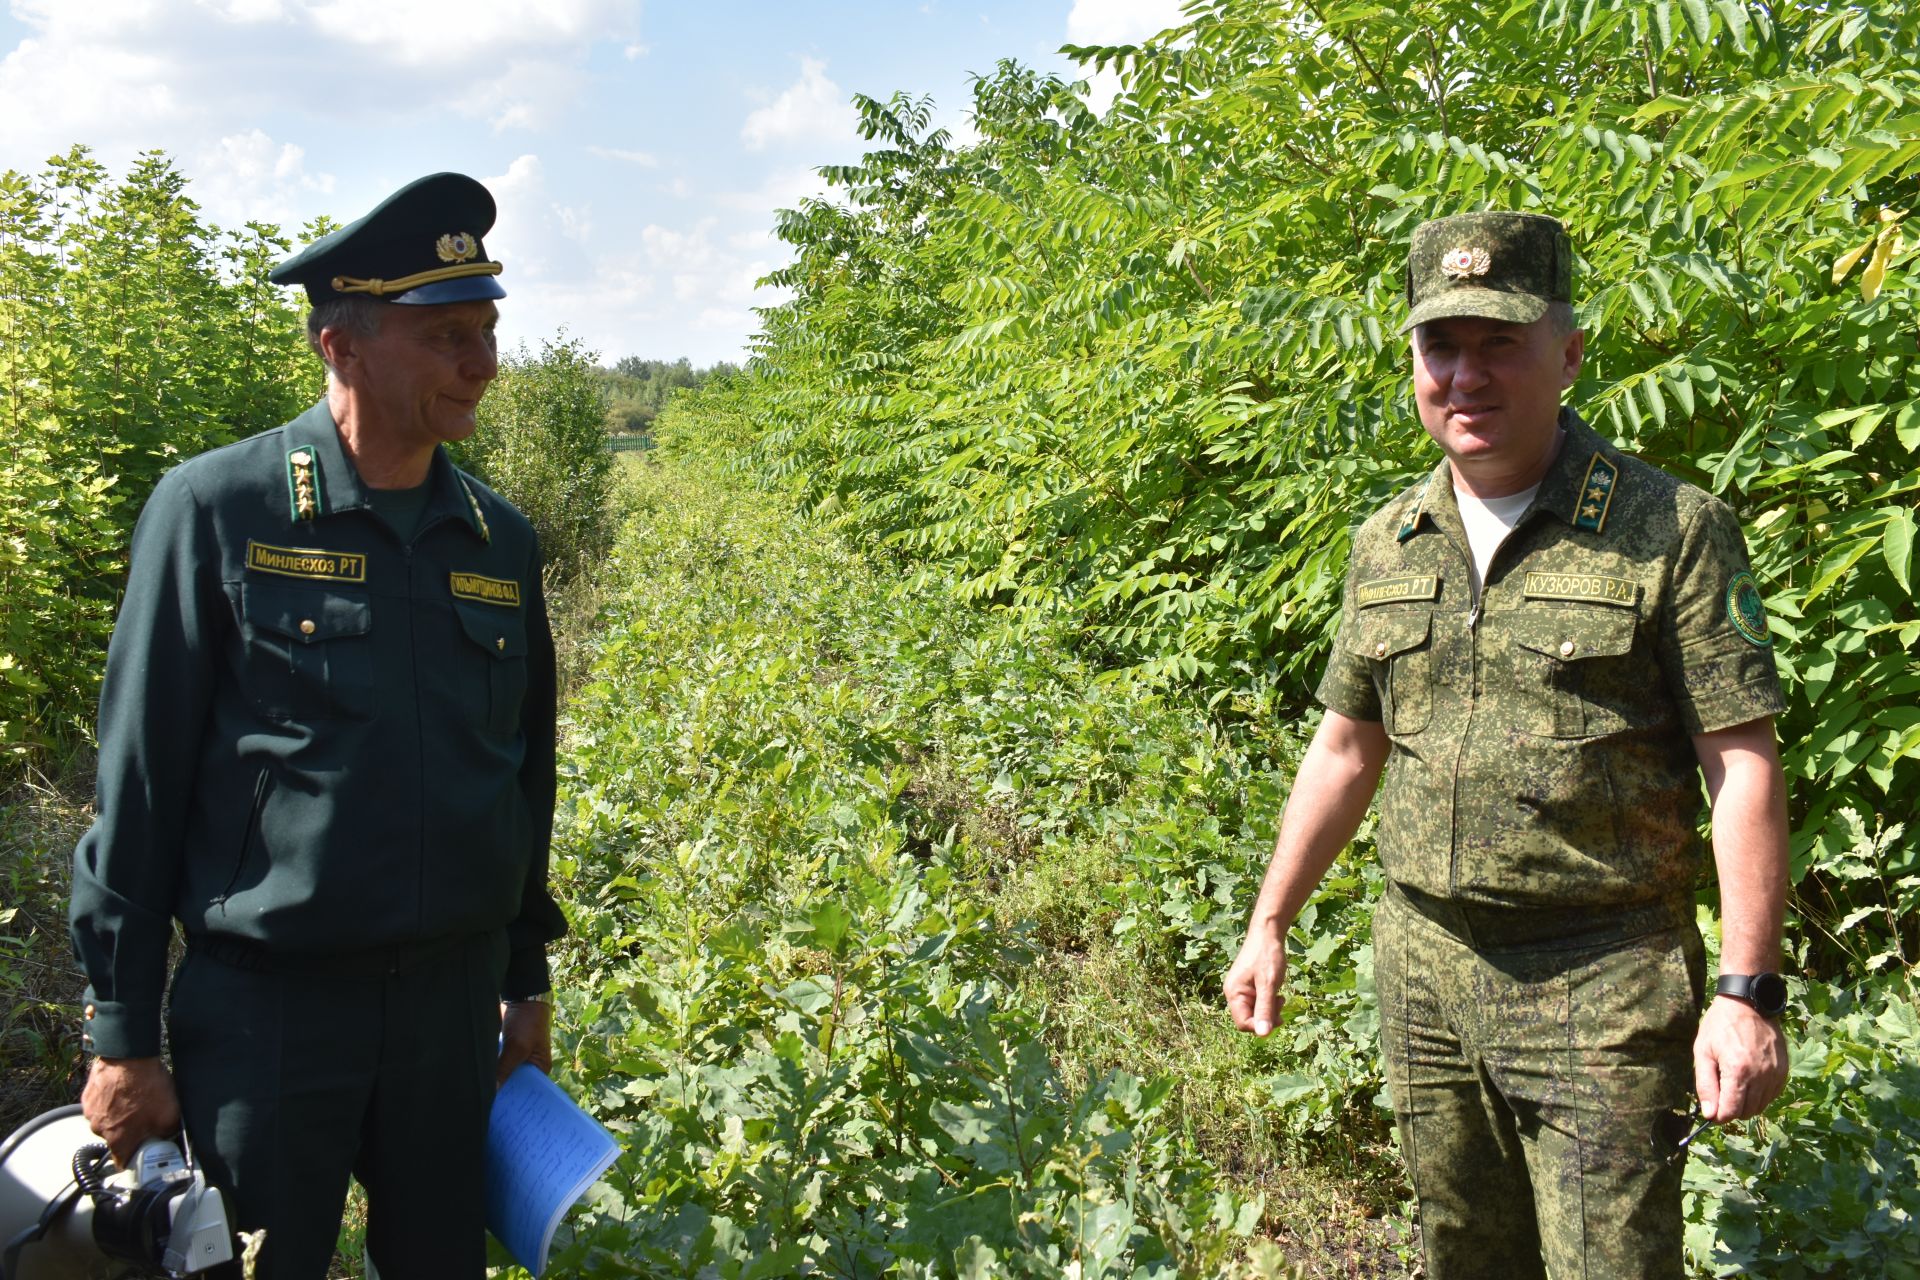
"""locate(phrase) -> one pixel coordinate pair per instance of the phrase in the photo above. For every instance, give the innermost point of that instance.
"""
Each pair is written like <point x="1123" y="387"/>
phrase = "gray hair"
<point x="358" y="316"/>
<point x="1560" y="316"/>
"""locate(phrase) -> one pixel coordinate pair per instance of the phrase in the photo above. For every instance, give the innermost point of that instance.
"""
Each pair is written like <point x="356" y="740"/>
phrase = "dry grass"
<point x="41" y="1064"/>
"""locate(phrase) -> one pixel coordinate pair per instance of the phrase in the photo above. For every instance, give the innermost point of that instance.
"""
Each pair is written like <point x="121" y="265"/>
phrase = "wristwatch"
<point x="543" y="997"/>
<point x="1766" y="992"/>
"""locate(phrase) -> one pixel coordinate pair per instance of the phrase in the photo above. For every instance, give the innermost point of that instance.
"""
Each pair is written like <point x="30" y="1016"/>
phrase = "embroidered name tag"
<point x="1581" y="586"/>
<point x="1393" y="590"/>
<point x="471" y="586"/>
<point x="307" y="562"/>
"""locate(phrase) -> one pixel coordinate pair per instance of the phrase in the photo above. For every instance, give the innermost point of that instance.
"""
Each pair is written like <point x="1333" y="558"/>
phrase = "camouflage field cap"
<point x="420" y="245"/>
<point x="1497" y="265"/>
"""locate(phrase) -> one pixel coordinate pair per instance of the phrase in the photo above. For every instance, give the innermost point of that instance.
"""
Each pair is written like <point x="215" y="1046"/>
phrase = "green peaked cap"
<point x="420" y="245"/>
<point x="1495" y="265"/>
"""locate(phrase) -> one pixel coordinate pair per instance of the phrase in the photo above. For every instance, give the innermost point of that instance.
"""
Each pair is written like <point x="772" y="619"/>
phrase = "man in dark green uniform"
<point x="1544" y="644"/>
<point x="327" y="752"/>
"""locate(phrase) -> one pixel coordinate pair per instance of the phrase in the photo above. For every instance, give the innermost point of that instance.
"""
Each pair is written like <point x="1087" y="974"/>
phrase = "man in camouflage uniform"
<point x="1545" y="644"/>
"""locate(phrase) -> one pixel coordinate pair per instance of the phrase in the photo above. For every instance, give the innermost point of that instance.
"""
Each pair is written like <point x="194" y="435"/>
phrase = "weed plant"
<point x="808" y="841"/>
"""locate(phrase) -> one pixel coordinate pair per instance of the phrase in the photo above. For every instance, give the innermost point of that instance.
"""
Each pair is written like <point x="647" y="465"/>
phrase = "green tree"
<point x="131" y="335"/>
<point x="1140" y="370"/>
<point x="542" y="443"/>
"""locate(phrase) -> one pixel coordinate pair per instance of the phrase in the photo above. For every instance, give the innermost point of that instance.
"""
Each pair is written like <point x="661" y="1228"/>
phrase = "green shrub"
<point x="542" y="442"/>
<point x="1136" y="376"/>
<point x="131" y="335"/>
<point x="791" y="1001"/>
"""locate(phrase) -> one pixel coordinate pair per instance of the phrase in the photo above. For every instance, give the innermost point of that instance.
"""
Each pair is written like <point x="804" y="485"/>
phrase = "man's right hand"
<point x="1254" y="982"/>
<point x="127" y="1101"/>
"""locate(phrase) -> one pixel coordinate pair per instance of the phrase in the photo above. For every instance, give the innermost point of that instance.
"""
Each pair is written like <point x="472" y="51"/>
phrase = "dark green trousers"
<point x="1534" y="1090"/>
<point x="290" y="1081"/>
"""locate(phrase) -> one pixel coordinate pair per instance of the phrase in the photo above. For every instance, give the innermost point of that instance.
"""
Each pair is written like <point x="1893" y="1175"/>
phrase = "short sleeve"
<point x="1716" y="652"/>
<point x="1347" y="685"/>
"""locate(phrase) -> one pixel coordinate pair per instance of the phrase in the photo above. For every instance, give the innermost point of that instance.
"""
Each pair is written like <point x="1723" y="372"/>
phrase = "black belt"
<point x="1544" y="928"/>
<point x="372" y="962"/>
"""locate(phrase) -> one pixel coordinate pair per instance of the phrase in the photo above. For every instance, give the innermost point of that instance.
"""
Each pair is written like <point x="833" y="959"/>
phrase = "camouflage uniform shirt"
<point x="1541" y="751"/>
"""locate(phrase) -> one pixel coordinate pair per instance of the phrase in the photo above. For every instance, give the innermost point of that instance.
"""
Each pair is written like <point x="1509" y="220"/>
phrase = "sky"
<point x="637" y="148"/>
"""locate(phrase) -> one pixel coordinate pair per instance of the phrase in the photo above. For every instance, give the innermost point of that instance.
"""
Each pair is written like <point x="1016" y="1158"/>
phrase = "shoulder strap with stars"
<point x="1596" y="495"/>
<point x="305" y="498"/>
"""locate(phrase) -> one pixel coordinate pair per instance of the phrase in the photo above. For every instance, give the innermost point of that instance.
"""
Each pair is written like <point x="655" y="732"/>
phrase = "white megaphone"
<point x="66" y="1214"/>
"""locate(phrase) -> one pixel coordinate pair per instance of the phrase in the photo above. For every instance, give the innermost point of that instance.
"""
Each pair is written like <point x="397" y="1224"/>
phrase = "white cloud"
<point x="437" y="33"/>
<point x="54" y="92"/>
<point x="528" y="94"/>
<point x="682" y="250"/>
<point x="1108" y="22"/>
<point x="246" y="10"/>
<point x="782" y="189"/>
<point x="1121" y="21"/>
<point x="125" y="75"/>
<point x="811" y="108"/>
<point x="645" y="159"/>
<point x="249" y="176"/>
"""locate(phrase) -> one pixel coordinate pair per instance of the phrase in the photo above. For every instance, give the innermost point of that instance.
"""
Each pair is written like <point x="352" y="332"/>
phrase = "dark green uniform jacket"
<point x="315" y="738"/>
<point x="1542" y="752"/>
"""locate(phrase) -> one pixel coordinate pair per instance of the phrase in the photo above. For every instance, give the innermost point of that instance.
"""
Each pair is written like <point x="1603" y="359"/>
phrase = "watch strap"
<point x="1766" y="992"/>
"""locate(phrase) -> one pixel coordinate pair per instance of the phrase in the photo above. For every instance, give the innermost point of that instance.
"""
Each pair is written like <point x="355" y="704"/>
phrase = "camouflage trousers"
<point x="1534" y="1088"/>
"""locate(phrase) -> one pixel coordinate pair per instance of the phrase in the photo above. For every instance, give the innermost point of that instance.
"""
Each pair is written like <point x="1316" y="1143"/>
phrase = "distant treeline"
<point x="638" y="389"/>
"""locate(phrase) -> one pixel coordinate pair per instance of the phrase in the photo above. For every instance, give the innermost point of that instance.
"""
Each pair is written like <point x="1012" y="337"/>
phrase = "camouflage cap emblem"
<point x="1461" y="263"/>
<point x="457" y="247"/>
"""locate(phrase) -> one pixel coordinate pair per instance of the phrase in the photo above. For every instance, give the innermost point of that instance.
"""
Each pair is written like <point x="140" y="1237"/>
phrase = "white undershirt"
<point x="1489" y="521"/>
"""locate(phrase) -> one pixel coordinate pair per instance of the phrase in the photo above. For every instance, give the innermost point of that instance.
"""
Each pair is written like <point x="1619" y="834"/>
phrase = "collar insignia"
<point x="457" y="247"/>
<point x="1596" y="495"/>
<point x="1465" y="261"/>
<point x="304" y="496"/>
<point x="479" y="520"/>
<point x="1412" y="522"/>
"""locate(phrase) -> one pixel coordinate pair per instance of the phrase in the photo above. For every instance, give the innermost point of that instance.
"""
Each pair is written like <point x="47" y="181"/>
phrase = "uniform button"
<point x="1566" y="648"/>
<point x="306" y="626"/>
<point x="501" y="644"/>
<point x="89" y="1014"/>
<point x="86" y="1041"/>
<point x="1380" y="650"/>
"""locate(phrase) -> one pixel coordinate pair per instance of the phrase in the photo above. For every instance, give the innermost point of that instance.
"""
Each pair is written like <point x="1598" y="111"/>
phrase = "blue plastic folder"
<point x="543" y="1152"/>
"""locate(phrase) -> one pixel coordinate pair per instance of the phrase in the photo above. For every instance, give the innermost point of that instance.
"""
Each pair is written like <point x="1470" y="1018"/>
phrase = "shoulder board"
<point x="1595" y="498"/>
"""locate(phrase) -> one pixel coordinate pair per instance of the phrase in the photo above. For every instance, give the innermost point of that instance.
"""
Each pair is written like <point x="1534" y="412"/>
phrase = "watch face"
<point x="1768" y="991"/>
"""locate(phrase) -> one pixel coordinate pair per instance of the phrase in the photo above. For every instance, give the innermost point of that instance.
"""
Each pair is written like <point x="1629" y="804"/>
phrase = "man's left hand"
<point x="526" y="1035"/>
<point x="1739" y="1061"/>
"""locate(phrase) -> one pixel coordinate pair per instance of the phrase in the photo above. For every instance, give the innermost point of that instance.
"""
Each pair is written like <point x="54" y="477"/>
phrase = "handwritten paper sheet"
<point x="543" y="1152"/>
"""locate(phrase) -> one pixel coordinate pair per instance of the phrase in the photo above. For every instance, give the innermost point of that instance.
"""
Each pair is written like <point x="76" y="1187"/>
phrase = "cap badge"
<point x="457" y="247"/>
<point x="1463" y="262"/>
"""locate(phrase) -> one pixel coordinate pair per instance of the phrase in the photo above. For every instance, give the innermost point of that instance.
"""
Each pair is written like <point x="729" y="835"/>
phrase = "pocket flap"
<point x="304" y="614"/>
<point x="499" y="632"/>
<point x="1592" y="631"/>
<point x="1381" y="634"/>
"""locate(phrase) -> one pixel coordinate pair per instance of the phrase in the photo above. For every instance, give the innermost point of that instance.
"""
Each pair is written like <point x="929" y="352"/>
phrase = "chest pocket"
<point x="1397" y="646"/>
<point x="308" y="651"/>
<point x="1574" y="669"/>
<point x="500" y="636"/>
